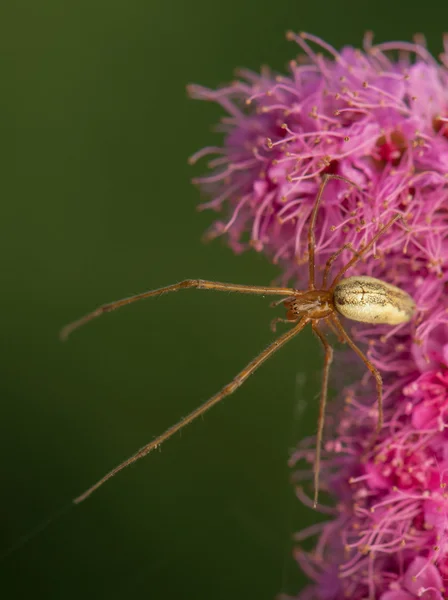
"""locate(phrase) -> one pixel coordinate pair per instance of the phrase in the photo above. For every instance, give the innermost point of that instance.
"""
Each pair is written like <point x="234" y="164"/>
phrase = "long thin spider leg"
<point x="200" y="284"/>
<point x="331" y="325"/>
<point x="364" y="250"/>
<point x="311" y="233"/>
<point x="331" y="260"/>
<point x="226" y="390"/>
<point x="369" y="365"/>
<point x="323" y="401"/>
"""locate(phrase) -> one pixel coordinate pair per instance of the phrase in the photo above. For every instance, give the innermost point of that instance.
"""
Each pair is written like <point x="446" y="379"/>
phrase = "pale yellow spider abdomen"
<point x="371" y="300"/>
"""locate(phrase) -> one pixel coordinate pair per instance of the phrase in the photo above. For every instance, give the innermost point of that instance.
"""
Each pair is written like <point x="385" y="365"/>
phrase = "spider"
<point x="359" y="298"/>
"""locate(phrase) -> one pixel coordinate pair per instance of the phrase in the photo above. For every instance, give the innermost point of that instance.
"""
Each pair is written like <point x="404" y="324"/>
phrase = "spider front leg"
<point x="200" y="284"/>
<point x="311" y="233"/>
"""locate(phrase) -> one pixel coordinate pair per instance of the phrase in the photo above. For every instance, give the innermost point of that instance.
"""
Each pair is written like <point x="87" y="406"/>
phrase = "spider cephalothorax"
<point x="315" y="304"/>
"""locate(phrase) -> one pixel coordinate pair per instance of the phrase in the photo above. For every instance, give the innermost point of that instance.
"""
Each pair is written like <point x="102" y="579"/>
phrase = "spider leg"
<point x="364" y="250"/>
<point x="330" y="324"/>
<point x="311" y="232"/>
<point x="369" y="365"/>
<point x="200" y="284"/>
<point x="226" y="391"/>
<point x="323" y="401"/>
<point x="331" y="260"/>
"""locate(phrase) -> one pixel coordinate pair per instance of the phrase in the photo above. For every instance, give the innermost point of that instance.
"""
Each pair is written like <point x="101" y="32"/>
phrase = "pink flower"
<point x="381" y="121"/>
<point x="418" y="582"/>
<point x="392" y="511"/>
<point x="360" y="115"/>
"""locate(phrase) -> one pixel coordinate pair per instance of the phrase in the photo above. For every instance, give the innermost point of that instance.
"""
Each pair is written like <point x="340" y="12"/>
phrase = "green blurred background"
<point x="97" y="204"/>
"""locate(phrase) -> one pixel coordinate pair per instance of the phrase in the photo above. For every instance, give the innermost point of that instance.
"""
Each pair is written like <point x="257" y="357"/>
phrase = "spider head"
<point x="314" y="304"/>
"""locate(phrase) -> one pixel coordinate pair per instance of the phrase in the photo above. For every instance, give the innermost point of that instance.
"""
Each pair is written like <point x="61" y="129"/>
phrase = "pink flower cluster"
<point x="390" y="531"/>
<point x="378" y="117"/>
